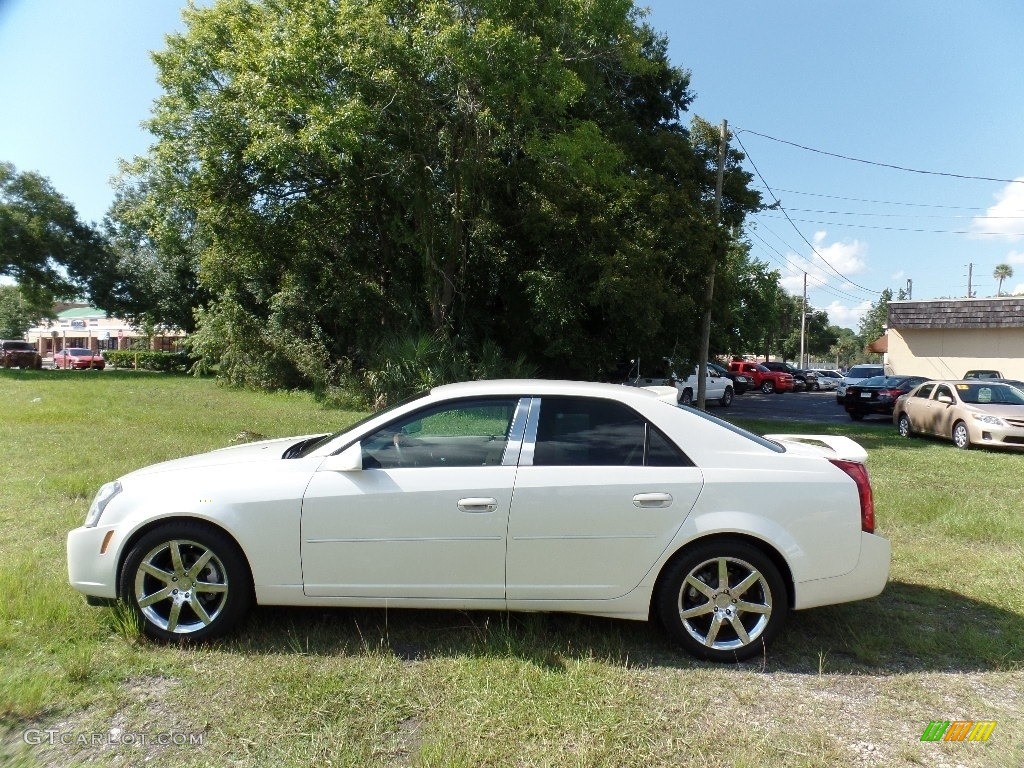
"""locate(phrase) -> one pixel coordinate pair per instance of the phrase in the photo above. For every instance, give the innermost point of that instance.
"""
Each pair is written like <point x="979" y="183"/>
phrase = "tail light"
<point x="859" y="473"/>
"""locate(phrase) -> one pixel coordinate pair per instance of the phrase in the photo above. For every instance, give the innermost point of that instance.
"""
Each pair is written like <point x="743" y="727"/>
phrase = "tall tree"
<point x="336" y="172"/>
<point x="1002" y="272"/>
<point x="19" y="312"/>
<point x="43" y="244"/>
<point x="873" y="323"/>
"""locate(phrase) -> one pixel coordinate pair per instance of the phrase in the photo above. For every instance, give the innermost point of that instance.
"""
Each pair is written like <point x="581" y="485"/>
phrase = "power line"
<point x="902" y="215"/>
<point x="795" y="227"/>
<point x="902" y="229"/>
<point x="880" y="202"/>
<point x="878" y="164"/>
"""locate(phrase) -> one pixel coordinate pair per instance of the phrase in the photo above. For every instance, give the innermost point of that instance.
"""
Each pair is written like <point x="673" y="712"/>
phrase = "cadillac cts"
<point x="498" y="495"/>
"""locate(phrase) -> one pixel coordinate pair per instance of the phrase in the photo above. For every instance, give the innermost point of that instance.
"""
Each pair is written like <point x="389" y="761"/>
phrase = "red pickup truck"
<point x="765" y="380"/>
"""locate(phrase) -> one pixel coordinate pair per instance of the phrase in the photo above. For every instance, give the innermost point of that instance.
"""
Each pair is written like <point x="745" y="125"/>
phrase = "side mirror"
<point x="945" y="399"/>
<point x="349" y="460"/>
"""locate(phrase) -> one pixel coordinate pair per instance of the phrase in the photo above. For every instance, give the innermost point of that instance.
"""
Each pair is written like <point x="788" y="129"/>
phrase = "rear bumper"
<point x="867" y="579"/>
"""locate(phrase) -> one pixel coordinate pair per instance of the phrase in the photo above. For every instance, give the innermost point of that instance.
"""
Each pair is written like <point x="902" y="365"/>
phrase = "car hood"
<point x="1002" y="410"/>
<point x="826" y="446"/>
<point x="265" y="450"/>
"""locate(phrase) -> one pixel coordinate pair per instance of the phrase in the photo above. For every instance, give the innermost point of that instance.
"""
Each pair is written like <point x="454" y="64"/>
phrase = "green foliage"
<point x="328" y="175"/>
<point x="875" y="320"/>
<point x="148" y="360"/>
<point x="43" y="245"/>
<point x="19" y="312"/>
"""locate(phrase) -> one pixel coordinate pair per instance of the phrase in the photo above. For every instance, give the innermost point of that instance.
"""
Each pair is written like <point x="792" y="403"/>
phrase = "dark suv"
<point x="20" y="354"/>
<point x="807" y="380"/>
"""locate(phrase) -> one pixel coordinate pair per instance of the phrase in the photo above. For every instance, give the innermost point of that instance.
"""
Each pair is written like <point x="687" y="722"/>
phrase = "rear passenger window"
<point x="591" y="432"/>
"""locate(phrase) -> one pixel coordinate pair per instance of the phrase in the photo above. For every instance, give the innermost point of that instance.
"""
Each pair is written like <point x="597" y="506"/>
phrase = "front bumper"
<point x="91" y="571"/>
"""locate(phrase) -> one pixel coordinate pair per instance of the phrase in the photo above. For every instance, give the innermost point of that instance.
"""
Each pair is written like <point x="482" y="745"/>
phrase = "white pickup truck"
<point x="718" y="389"/>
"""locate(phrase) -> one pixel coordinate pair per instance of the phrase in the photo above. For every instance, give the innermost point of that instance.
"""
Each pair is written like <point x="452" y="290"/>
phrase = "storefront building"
<point x="91" y="328"/>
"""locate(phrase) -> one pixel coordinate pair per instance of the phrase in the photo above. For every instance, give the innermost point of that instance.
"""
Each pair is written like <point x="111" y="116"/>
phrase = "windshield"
<point x="306" y="447"/>
<point x="988" y="394"/>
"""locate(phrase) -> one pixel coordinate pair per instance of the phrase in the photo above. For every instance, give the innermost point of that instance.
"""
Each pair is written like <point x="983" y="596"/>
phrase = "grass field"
<point x="849" y="685"/>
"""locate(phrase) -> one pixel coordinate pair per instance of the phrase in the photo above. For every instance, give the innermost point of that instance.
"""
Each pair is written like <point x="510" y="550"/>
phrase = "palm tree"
<point x="1002" y="272"/>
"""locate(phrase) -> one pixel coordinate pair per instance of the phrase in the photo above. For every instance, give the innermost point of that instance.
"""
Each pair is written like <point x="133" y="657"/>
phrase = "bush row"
<point x="147" y="360"/>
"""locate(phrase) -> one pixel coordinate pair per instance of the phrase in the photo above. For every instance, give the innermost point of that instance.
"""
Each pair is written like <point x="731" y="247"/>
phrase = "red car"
<point x="78" y="357"/>
<point x="765" y="380"/>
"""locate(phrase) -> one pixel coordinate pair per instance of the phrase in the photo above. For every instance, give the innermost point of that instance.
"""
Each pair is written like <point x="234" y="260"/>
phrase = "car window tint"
<point x="984" y="394"/>
<point x="662" y="452"/>
<point x="943" y="390"/>
<point x="466" y="433"/>
<point x="588" y="432"/>
<point x="924" y="391"/>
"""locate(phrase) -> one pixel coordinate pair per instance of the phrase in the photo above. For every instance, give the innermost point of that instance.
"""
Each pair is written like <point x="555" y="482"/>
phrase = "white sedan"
<point x="498" y="495"/>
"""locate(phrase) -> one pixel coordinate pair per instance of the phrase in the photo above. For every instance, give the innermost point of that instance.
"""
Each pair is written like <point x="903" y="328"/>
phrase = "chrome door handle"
<point x="652" y="500"/>
<point x="478" y="505"/>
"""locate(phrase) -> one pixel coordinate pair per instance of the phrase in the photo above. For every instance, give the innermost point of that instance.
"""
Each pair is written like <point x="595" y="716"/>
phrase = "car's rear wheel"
<point x="726" y="399"/>
<point x="186" y="581"/>
<point x="723" y="601"/>
<point x="857" y="415"/>
<point x="768" y="386"/>
<point x="903" y="426"/>
<point x="961" y="437"/>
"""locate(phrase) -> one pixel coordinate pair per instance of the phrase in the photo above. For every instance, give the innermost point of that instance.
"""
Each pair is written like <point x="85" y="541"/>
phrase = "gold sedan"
<point x="968" y="412"/>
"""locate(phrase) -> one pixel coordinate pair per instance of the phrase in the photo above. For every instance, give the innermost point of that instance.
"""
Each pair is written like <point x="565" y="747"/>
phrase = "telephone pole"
<point x="803" y="323"/>
<point x="709" y="295"/>
<point x="970" y="276"/>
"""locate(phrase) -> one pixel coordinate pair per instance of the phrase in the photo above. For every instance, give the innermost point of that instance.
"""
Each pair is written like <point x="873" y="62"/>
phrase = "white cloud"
<point x="1005" y="219"/>
<point x="1015" y="257"/>
<point x="1018" y="290"/>
<point x="848" y="258"/>
<point x="846" y="316"/>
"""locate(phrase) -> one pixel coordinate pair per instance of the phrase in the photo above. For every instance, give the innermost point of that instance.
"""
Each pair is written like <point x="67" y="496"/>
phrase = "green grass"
<point x="847" y="685"/>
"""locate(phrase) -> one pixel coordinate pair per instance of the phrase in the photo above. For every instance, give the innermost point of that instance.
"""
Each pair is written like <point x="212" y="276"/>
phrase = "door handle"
<point x="652" y="500"/>
<point x="478" y="505"/>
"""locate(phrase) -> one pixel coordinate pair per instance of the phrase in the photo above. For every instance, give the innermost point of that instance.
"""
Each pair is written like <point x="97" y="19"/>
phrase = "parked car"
<point x="766" y="380"/>
<point x="672" y="514"/>
<point x="983" y="374"/>
<point x="968" y="412"/>
<point x="878" y="395"/>
<point x="79" y="358"/>
<point x="717" y="389"/>
<point x="16" y="353"/>
<point x="857" y="374"/>
<point x="828" y="378"/>
<point x="740" y="381"/>
<point x="802" y="380"/>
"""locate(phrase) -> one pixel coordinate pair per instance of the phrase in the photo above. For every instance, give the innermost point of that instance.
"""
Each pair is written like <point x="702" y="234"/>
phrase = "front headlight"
<point x="103" y="497"/>
<point x="995" y="421"/>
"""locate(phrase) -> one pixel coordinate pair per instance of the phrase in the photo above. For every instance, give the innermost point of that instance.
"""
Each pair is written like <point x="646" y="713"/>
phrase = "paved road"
<point x="819" y="407"/>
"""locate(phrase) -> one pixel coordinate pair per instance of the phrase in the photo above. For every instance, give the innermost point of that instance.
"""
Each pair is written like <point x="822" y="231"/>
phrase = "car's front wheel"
<point x="186" y="581"/>
<point x="767" y="386"/>
<point x="961" y="437"/>
<point x="685" y="397"/>
<point x="723" y="601"/>
<point x="903" y="426"/>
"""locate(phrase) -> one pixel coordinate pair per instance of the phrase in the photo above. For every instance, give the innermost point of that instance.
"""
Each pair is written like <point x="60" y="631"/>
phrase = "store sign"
<point x="78" y="323"/>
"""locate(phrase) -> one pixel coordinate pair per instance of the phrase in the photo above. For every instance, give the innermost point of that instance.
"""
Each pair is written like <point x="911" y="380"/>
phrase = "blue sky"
<point x="927" y="85"/>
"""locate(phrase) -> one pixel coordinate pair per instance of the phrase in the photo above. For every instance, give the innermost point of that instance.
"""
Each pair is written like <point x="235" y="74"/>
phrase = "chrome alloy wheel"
<point x="725" y="603"/>
<point x="181" y="586"/>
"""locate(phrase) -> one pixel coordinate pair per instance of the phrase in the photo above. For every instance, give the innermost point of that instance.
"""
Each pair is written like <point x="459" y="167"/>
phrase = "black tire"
<point x="685" y="397"/>
<point x="857" y="415"/>
<point x="767" y="386"/>
<point x="726" y="399"/>
<point x="961" y="436"/>
<point x="904" y="427"/>
<point x="189" y="605"/>
<point x="766" y="599"/>
<point x="817" y="387"/>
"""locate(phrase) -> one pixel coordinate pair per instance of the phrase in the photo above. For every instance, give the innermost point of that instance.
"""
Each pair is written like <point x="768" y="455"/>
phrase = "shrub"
<point x="147" y="360"/>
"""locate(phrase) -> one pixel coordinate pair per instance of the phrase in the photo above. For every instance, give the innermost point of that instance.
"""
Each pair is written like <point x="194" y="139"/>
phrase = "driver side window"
<point x="466" y="433"/>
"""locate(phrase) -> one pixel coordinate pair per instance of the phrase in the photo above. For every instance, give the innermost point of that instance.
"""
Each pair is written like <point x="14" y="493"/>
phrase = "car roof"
<point x="541" y="387"/>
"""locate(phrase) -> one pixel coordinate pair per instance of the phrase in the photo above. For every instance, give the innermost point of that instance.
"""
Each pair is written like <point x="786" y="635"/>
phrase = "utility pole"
<point x="970" y="276"/>
<point x="709" y="296"/>
<point x="803" y="323"/>
<point x="910" y="288"/>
